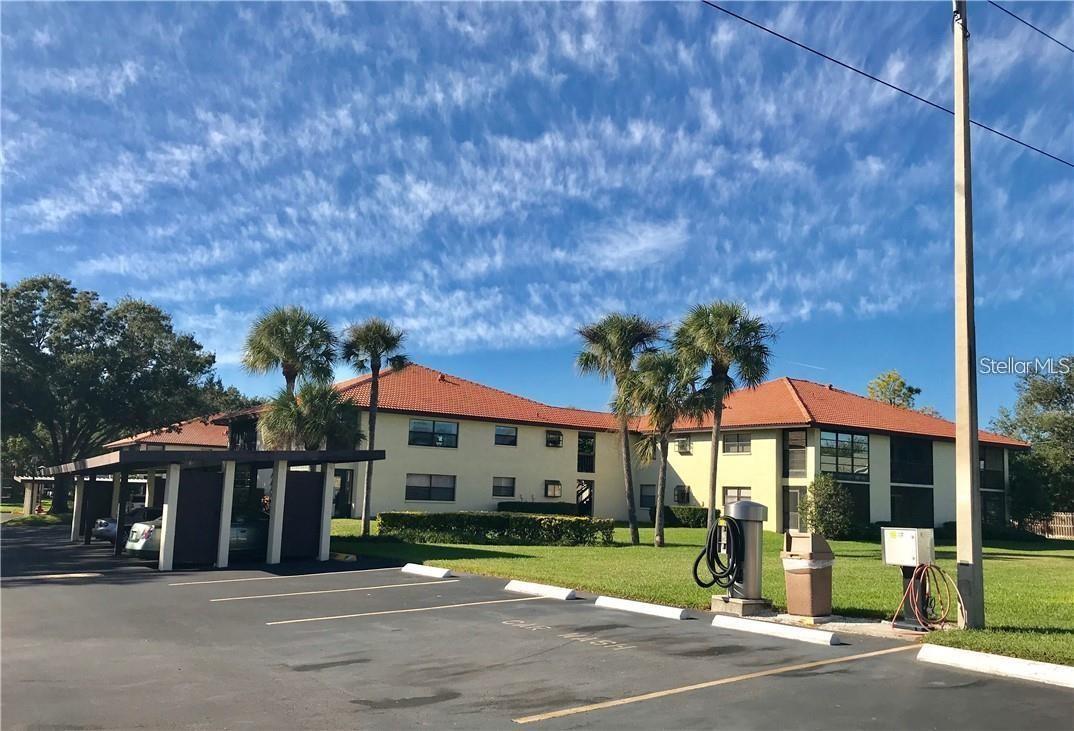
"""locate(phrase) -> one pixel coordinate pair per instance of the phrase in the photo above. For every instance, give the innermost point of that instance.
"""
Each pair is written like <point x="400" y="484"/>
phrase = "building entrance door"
<point x="584" y="497"/>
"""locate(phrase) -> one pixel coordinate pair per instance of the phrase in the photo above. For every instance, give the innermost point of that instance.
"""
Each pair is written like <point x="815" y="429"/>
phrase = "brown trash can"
<point x="807" y="565"/>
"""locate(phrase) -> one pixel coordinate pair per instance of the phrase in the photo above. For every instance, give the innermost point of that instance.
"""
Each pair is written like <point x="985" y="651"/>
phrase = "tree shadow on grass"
<point x="1055" y="631"/>
<point x="950" y="554"/>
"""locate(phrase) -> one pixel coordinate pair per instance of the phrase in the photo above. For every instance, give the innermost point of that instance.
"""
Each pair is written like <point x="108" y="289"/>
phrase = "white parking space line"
<point x="402" y="611"/>
<point x="708" y="684"/>
<point x="290" y="576"/>
<point x="334" y="591"/>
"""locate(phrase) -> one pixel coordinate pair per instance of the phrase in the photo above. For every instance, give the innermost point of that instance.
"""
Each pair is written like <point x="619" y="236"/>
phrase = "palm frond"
<point x="647" y="448"/>
<point x="373" y="341"/>
<point x="290" y="337"/>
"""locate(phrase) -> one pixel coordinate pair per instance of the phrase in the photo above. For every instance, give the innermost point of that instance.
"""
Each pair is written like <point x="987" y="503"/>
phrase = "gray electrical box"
<point x="907" y="546"/>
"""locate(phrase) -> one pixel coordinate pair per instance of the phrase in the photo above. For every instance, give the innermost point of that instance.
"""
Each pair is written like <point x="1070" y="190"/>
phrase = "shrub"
<point x="828" y="509"/>
<point x="683" y="516"/>
<point x="534" y="508"/>
<point x="500" y="528"/>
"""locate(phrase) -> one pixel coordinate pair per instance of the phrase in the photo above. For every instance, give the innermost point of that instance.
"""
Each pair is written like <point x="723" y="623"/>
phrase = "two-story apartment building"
<point x="454" y="444"/>
<point x="898" y="464"/>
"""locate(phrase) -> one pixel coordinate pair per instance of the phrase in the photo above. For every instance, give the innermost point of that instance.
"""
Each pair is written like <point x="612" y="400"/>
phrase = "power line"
<point x="1026" y="22"/>
<point x="878" y="80"/>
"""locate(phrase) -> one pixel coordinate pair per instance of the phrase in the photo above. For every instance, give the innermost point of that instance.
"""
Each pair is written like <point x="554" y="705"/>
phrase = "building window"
<point x="911" y="462"/>
<point x="845" y="455"/>
<point x="993" y="508"/>
<point x="682" y="445"/>
<point x="503" y="486"/>
<point x="911" y="507"/>
<point x="553" y="488"/>
<point x="648" y="496"/>
<point x="682" y="494"/>
<point x="440" y="488"/>
<point x="991" y="468"/>
<point x="553" y="438"/>
<point x="794" y="453"/>
<point x="734" y="494"/>
<point x="507" y="436"/>
<point x="859" y="496"/>
<point x="736" y="443"/>
<point x="427" y="433"/>
<point x="792" y="518"/>
<point x="587" y="451"/>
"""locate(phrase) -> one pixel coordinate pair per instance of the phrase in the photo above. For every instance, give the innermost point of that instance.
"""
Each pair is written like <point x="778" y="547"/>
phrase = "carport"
<point x="199" y="486"/>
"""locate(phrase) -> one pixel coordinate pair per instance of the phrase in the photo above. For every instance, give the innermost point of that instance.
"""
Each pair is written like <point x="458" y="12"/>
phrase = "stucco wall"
<point x="477" y="459"/>
<point x="759" y="470"/>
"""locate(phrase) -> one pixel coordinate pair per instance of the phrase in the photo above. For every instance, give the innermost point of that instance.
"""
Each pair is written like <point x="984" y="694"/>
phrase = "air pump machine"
<point x="732" y="558"/>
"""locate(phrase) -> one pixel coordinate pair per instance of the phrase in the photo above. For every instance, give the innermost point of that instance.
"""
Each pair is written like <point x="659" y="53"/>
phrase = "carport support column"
<point x="150" y="483"/>
<point x="167" y="520"/>
<point x="327" y="493"/>
<point x="223" y="541"/>
<point x="275" y="521"/>
<point x="117" y="485"/>
<point x="76" y="508"/>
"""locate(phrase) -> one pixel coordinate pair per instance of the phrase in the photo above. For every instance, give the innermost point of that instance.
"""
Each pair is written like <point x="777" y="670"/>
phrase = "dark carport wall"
<point x="198" y="492"/>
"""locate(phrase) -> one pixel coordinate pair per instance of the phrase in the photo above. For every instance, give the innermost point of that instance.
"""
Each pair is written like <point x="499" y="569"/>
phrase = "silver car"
<point x="249" y="535"/>
<point x="104" y="529"/>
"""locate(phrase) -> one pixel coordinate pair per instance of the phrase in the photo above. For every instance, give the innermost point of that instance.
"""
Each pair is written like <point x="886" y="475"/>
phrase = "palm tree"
<point x="293" y="339"/>
<point x="733" y="345"/>
<point x="317" y="415"/>
<point x="369" y="346"/>
<point x="661" y="389"/>
<point x="608" y="349"/>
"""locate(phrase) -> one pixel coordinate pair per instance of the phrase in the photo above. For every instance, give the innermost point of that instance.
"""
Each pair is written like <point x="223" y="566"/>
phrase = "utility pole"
<point x="967" y="467"/>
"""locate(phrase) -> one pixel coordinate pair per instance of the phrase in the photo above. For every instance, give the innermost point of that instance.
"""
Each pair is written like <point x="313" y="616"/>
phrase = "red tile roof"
<point x="190" y="433"/>
<point x="793" y="401"/>
<point x="420" y="390"/>
<point x="783" y="402"/>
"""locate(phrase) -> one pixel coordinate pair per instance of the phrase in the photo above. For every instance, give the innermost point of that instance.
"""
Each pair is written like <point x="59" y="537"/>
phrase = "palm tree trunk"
<point x="628" y="479"/>
<point x="289" y="378"/>
<point x="661" y="488"/>
<point x="714" y="445"/>
<point x="367" y="489"/>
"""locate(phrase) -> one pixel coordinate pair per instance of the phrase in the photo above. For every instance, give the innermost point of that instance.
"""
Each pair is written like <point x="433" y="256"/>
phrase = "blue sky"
<point x="490" y="177"/>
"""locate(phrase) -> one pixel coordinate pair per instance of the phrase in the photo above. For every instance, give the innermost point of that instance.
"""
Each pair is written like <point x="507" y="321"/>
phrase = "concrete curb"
<point x="1008" y="667"/>
<point x="775" y="629"/>
<point x="626" y="605"/>
<point x="545" y="590"/>
<point x="422" y="570"/>
<point x="342" y="557"/>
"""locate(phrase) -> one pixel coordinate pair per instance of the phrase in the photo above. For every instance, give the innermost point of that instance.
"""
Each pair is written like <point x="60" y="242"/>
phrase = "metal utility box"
<point x="907" y="546"/>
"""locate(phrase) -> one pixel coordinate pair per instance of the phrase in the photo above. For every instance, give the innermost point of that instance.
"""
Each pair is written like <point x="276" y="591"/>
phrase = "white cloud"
<point x="632" y="245"/>
<point x="93" y="81"/>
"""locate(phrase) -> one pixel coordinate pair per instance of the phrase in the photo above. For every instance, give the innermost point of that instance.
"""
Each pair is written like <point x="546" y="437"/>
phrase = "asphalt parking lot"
<point x="92" y="642"/>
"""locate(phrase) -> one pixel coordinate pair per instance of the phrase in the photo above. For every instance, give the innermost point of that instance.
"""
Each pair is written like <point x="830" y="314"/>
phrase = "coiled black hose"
<point x="723" y="574"/>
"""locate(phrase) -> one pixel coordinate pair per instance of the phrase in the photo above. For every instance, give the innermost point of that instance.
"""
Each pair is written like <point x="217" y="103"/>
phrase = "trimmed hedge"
<point x="683" y="516"/>
<point x="535" y="508"/>
<point x="506" y="529"/>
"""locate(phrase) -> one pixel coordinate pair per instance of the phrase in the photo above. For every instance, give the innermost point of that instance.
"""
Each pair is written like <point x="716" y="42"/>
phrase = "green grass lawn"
<point x="43" y="519"/>
<point x="16" y="507"/>
<point x="1029" y="587"/>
